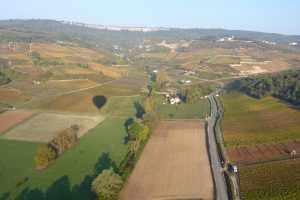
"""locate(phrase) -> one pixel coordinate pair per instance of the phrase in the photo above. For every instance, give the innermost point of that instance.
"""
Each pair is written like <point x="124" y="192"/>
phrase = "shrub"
<point x="44" y="157"/>
<point x="63" y="141"/>
<point x="107" y="185"/>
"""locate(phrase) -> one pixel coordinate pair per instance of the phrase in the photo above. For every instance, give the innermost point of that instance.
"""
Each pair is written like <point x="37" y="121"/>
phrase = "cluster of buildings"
<point x="268" y="42"/>
<point x="293" y="44"/>
<point x="173" y="99"/>
<point x="227" y="39"/>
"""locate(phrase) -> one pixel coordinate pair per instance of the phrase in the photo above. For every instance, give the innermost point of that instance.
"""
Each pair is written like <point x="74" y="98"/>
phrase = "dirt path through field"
<point x="78" y="90"/>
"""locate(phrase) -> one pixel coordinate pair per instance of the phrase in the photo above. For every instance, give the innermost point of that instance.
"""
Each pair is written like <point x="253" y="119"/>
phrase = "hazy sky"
<point x="279" y="16"/>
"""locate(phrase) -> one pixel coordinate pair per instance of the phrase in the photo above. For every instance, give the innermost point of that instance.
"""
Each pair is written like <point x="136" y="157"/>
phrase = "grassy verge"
<point x="198" y="110"/>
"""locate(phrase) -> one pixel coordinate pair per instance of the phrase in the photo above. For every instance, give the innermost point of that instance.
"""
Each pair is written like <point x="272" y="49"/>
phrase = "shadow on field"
<point x="61" y="188"/>
<point x="4" y="196"/>
<point x="127" y="123"/>
<point x="139" y="109"/>
<point x="99" y="101"/>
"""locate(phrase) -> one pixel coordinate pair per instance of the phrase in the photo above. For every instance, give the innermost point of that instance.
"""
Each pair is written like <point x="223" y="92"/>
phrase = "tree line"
<point x="62" y="142"/>
<point x="4" y="79"/>
<point x="284" y="85"/>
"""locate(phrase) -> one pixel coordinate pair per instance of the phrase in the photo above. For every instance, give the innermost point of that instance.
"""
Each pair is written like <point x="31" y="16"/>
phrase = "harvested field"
<point x="72" y="84"/>
<point x="263" y="151"/>
<point x="74" y="102"/>
<point x="42" y="127"/>
<point x="29" y="70"/>
<point x="10" y="118"/>
<point x="76" y="70"/>
<point x="174" y="165"/>
<point x="275" y="66"/>
<point x="65" y="54"/>
<point x="123" y="87"/>
<point x="108" y="71"/>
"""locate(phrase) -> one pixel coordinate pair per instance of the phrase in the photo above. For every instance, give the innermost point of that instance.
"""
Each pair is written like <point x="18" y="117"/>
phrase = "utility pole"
<point x="30" y="47"/>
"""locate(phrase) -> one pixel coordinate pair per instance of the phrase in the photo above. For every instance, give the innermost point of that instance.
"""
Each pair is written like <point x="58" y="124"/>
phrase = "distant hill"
<point x="36" y="30"/>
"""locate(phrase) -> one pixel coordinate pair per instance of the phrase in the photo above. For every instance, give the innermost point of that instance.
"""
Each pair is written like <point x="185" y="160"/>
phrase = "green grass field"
<point x="197" y="110"/>
<point x="279" y="180"/>
<point x="70" y="176"/>
<point x="121" y="106"/>
<point x="82" y="102"/>
<point x="249" y="121"/>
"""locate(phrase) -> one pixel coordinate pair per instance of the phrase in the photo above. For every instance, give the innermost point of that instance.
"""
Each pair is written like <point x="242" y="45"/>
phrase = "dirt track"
<point x="174" y="165"/>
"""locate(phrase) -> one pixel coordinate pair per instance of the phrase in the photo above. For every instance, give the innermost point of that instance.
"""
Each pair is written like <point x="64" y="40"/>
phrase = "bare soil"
<point x="174" y="165"/>
<point x="10" y="118"/>
<point x="263" y="151"/>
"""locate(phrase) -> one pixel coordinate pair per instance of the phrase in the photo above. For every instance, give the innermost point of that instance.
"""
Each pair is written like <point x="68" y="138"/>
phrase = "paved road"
<point x="221" y="191"/>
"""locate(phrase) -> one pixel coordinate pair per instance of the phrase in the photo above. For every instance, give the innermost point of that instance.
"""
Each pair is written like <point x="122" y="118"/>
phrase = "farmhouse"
<point x="186" y="81"/>
<point x="174" y="100"/>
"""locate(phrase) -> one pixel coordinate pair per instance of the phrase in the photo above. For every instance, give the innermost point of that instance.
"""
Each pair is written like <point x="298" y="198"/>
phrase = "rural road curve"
<point x="220" y="185"/>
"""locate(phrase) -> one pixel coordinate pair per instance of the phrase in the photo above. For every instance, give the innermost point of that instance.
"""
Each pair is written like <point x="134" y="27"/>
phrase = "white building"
<point x="174" y="100"/>
<point x="293" y="43"/>
<point x="186" y="81"/>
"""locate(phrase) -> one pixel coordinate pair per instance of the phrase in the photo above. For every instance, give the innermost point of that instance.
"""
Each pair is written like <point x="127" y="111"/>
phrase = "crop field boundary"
<point x="267" y="161"/>
<point x="18" y="123"/>
<point x="177" y="119"/>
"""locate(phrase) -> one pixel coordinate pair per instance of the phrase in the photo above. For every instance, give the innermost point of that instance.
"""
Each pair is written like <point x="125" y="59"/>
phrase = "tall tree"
<point x="161" y="79"/>
<point x="148" y="104"/>
<point x="192" y="94"/>
<point x="44" y="157"/>
<point x="107" y="185"/>
<point x="134" y="129"/>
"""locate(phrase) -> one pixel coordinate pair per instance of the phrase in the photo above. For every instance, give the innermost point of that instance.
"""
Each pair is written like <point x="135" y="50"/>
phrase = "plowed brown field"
<point x="10" y="118"/>
<point x="263" y="151"/>
<point x="174" y="165"/>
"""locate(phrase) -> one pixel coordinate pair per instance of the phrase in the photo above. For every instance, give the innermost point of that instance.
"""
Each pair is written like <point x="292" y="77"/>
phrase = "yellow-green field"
<point x="72" y="102"/>
<point x="12" y="95"/>
<point x="279" y="180"/>
<point x="67" y="56"/>
<point x="250" y="121"/>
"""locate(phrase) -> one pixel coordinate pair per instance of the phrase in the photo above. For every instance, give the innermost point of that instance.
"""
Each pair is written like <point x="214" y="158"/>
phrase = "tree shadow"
<point x="4" y="196"/>
<point x="233" y="86"/>
<point x="61" y="188"/>
<point x="31" y="194"/>
<point x="104" y="162"/>
<point x="83" y="190"/>
<point x="139" y="109"/>
<point x="126" y="124"/>
<point x="99" y="101"/>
